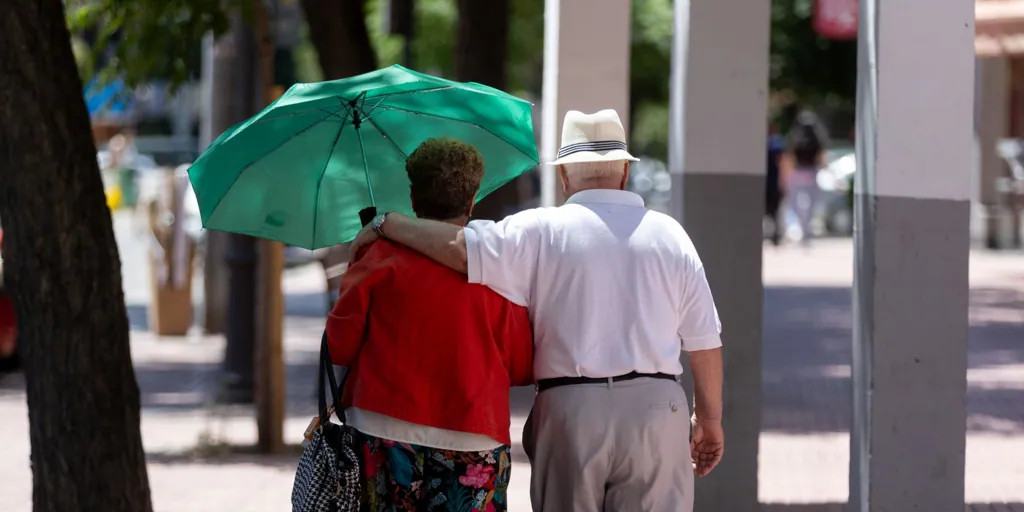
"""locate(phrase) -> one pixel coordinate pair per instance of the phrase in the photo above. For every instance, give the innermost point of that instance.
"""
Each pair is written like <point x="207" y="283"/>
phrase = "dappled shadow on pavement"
<point x="808" y="507"/>
<point x="226" y="456"/>
<point x="806" y="359"/>
<point x="187" y="386"/>
<point x="808" y="348"/>
<point x="296" y="304"/>
<point x="842" y="507"/>
<point x="12" y="384"/>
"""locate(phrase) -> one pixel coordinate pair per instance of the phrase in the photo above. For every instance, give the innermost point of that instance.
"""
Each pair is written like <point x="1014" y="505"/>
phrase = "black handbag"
<point x="329" y="476"/>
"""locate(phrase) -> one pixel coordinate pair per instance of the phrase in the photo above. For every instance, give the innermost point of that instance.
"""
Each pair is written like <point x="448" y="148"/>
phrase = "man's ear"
<point x="563" y="177"/>
<point x="625" y="177"/>
<point x="469" y="209"/>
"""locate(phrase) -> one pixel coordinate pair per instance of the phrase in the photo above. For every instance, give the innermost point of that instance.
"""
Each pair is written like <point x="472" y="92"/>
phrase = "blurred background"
<point x="162" y="82"/>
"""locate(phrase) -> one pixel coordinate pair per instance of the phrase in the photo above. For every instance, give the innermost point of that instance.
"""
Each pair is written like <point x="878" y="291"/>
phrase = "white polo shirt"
<point x="611" y="286"/>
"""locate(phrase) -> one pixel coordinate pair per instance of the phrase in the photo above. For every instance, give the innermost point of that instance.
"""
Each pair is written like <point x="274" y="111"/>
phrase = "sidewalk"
<point x="807" y="395"/>
<point x="806" y="398"/>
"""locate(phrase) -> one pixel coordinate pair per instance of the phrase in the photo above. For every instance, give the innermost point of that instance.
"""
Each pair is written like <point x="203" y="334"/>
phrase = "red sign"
<point x="836" y="19"/>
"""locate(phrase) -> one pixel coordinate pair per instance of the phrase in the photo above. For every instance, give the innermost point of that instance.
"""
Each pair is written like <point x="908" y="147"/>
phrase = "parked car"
<point x="835" y="210"/>
<point x="9" y="359"/>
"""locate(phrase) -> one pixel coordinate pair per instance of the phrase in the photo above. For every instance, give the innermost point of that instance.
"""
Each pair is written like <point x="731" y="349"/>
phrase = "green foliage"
<point x="141" y="40"/>
<point x="807" y="69"/>
<point x="161" y="39"/>
<point x="307" y="68"/>
<point x="83" y="57"/>
<point x="526" y="48"/>
<point x="815" y="72"/>
<point x="650" y="67"/>
<point x="433" y="41"/>
<point x="650" y="130"/>
<point x="651" y="52"/>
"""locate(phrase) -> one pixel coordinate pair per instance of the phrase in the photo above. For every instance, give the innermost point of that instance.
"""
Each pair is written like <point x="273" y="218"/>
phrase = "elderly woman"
<point x="432" y="357"/>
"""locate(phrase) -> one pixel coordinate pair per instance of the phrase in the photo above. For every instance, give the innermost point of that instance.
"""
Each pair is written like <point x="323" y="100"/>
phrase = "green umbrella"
<point x="300" y="171"/>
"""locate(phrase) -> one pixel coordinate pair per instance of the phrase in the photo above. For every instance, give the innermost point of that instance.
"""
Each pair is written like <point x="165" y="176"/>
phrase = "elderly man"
<point x="611" y="289"/>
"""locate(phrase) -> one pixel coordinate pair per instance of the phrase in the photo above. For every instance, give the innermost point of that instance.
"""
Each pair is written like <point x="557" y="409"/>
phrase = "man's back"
<point x="611" y="289"/>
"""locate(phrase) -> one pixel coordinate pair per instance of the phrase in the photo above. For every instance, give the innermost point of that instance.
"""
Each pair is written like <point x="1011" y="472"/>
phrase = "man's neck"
<point x="601" y="184"/>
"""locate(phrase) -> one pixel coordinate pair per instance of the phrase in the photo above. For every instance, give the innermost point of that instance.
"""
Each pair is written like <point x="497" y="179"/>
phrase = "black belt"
<point x="572" y="381"/>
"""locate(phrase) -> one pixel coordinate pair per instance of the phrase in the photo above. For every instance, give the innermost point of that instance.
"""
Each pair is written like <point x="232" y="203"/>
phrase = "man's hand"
<point x="708" y="445"/>
<point x="365" y="237"/>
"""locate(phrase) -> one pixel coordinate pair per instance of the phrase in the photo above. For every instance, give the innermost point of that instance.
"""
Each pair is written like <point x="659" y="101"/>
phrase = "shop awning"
<point x="999" y="27"/>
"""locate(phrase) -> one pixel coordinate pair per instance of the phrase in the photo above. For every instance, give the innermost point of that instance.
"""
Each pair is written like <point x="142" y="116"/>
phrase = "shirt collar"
<point x="609" y="196"/>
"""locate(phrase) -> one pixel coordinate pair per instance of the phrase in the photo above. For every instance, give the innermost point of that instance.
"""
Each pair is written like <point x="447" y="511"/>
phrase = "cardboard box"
<point x="170" y="308"/>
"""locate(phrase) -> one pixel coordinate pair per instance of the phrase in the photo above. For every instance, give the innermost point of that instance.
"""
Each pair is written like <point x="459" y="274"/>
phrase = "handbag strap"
<point x="327" y="382"/>
<point x="366" y="215"/>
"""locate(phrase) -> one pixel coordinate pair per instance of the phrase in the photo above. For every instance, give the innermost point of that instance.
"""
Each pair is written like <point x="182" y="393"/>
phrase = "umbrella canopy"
<point x="301" y="170"/>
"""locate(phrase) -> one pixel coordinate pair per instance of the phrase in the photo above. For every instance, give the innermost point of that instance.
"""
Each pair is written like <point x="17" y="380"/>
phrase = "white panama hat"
<point x="597" y="137"/>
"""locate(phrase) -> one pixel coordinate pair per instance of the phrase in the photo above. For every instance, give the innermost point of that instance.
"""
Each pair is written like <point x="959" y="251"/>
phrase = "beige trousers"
<point x="621" y="447"/>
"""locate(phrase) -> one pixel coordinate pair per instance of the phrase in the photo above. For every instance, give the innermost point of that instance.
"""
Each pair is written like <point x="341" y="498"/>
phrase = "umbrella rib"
<point x="298" y="113"/>
<point x="386" y="136"/>
<point x="323" y="172"/>
<point x="413" y="91"/>
<point x="427" y="114"/>
<point x="250" y="164"/>
<point x="382" y="96"/>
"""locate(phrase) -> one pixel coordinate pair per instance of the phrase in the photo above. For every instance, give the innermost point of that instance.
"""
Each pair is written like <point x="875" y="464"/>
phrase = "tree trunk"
<point x="338" y="31"/>
<point x="481" y="42"/>
<point x="63" y="271"/>
<point x="481" y="55"/>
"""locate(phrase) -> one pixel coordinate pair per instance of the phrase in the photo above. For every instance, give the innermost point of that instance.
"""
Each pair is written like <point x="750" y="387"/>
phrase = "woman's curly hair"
<point x="444" y="177"/>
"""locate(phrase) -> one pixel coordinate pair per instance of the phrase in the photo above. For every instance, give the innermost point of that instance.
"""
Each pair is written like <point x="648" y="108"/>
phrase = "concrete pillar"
<point x="993" y="123"/>
<point x="914" y="146"/>
<point x="586" y="68"/>
<point x="721" y="170"/>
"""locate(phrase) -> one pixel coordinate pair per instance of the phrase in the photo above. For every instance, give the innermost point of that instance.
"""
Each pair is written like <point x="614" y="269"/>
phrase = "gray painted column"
<point x="914" y="146"/>
<point x="586" y="68"/>
<point x="721" y="167"/>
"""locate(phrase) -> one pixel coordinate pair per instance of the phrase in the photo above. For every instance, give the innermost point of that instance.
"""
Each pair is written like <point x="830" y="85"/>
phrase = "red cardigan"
<point x="425" y="346"/>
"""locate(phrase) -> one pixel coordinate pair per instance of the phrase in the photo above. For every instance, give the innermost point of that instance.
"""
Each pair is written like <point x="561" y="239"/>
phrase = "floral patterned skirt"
<point x="404" y="477"/>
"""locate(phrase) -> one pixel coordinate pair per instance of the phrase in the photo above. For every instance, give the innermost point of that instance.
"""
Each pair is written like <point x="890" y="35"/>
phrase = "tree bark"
<point x="338" y="31"/>
<point x="63" y="271"/>
<point x="481" y="55"/>
<point x="481" y="42"/>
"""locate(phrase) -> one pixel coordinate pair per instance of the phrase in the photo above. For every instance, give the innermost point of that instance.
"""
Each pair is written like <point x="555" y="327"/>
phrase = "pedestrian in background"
<point x="773" y="191"/>
<point x="804" y="157"/>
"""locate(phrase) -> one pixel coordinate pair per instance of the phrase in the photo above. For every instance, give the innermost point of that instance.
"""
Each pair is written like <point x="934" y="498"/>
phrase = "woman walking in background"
<point x="773" y="187"/>
<point x="805" y="150"/>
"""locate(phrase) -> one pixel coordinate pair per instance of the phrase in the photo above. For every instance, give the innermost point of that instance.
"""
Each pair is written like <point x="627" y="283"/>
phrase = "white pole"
<point x="676" y="104"/>
<point x="549" y="104"/>
<point x="206" y="129"/>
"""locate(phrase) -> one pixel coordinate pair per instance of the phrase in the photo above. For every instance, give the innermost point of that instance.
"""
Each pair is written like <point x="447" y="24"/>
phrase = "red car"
<point x="9" y="360"/>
